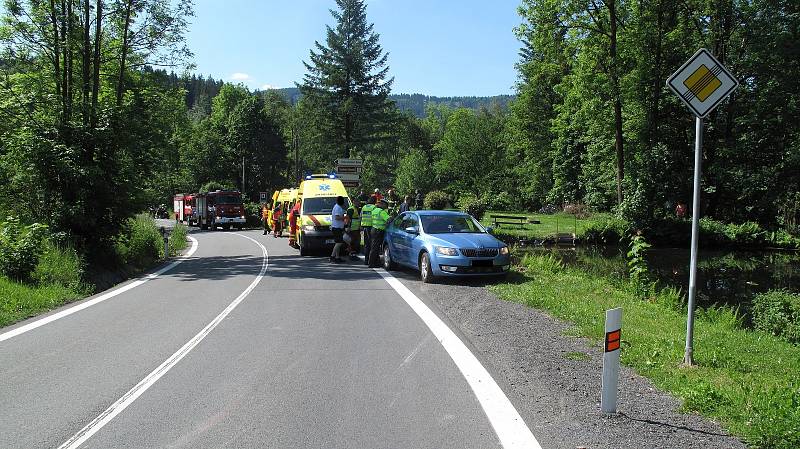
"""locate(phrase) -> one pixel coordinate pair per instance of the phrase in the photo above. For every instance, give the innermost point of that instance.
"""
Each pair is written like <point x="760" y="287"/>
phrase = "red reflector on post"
<point x="612" y="340"/>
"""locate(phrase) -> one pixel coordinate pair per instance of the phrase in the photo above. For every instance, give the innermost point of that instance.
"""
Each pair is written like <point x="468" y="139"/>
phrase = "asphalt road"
<point x="212" y="354"/>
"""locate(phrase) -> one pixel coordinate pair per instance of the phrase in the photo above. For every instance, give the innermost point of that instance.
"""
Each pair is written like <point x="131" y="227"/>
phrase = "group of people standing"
<point x="363" y="221"/>
<point x="393" y="202"/>
<point x="360" y="222"/>
<point x="273" y="219"/>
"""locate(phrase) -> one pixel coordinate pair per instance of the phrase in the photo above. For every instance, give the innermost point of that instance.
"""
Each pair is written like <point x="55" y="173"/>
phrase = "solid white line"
<point x="506" y="421"/>
<point x="127" y="399"/>
<point x="77" y="308"/>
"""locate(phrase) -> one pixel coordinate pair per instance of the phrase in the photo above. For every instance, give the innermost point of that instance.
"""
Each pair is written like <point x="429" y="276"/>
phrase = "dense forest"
<point x="98" y="121"/>
<point x="418" y="104"/>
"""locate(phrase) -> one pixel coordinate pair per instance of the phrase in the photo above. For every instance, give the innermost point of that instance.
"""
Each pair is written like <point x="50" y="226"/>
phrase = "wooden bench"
<point x="516" y="220"/>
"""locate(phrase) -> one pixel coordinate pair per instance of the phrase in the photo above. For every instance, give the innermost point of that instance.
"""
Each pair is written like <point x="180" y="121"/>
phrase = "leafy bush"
<point x="501" y="201"/>
<point x="778" y="312"/>
<point x="747" y="233"/>
<point x="140" y="242"/>
<point x="436" y="200"/>
<point x="252" y="215"/>
<point x="606" y="230"/>
<point x="216" y="185"/>
<point x="637" y="265"/>
<point x="784" y="239"/>
<point x="61" y="266"/>
<point x="20" y="247"/>
<point x="472" y="205"/>
<point x="177" y="239"/>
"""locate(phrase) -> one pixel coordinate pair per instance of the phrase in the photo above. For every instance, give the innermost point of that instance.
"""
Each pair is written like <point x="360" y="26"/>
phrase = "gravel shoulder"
<point x="553" y="386"/>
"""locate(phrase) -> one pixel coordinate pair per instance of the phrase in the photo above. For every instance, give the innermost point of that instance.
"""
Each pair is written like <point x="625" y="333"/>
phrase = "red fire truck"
<point x="182" y="206"/>
<point x="221" y="208"/>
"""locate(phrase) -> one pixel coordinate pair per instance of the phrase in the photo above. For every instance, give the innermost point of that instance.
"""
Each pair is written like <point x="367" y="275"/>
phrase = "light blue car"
<point x="443" y="244"/>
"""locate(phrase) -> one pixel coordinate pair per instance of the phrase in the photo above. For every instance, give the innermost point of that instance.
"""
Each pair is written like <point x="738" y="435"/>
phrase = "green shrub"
<point x="778" y="312"/>
<point x="501" y="201"/>
<point x="252" y="215"/>
<point x="436" y="200"/>
<point x="783" y="239"/>
<point x="608" y="229"/>
<point x="215" y="185"/>
<point x="140" y="242"/>
<point x="61" y="266"/>
<point x="637" y="265"/>
<point x="472" y="205"/>
<point x="20" y="247"/>
<point x="177" y="239"/>
<point x="747" y="233"/>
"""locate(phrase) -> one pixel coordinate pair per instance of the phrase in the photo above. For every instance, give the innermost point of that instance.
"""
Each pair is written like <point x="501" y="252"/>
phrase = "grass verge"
<point x="57" y="277"/>
<point x="551" y="225"/>
<point x="747" y="380"/>
<point x="20" y="301"/>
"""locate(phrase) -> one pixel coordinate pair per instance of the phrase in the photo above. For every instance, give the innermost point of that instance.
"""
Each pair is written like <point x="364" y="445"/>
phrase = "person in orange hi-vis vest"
<point x="277" y="221"/>
<point x="293" y="216"/>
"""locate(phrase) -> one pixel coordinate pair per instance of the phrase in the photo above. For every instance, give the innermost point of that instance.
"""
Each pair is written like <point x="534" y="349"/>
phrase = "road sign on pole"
<point x="349" y="171"/>
<point x="701" y="83"/>
<point x="262" y="197"/>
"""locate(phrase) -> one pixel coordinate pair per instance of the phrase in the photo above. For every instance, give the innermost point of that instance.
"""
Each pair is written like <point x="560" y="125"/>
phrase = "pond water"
<point x="724" y="277"/>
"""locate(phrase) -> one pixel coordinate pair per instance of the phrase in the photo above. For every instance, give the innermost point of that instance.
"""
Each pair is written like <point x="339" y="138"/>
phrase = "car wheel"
<point x="388" y="263"/>
<point x="303" y="250"/>
<point x="425" y="272"/>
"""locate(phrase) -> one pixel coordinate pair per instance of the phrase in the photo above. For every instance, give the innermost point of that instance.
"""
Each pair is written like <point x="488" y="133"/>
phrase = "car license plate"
<point x="329" y="242"/>
<point x="482" y="263"/>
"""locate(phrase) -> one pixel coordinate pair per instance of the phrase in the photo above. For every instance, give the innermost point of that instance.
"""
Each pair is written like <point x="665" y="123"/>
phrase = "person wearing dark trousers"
<point x="337" y="227"/>
<point x="366" y="226"/>
<point x="380" y="218"/>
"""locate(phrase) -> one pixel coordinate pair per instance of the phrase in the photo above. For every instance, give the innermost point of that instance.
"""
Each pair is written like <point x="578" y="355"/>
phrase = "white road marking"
<point x="506" y="421"/>
<point x="77" y="308"/>
<point x="127" y="399"/>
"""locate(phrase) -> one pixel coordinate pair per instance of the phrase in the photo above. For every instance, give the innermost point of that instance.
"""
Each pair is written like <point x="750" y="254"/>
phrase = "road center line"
<point x="127" y="399"/>
<point x="77" y="308"/>
<point x="506" y="421"/>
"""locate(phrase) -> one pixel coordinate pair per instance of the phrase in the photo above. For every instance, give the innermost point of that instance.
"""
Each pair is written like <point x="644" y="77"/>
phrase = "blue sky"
<point x="436" y="47"/>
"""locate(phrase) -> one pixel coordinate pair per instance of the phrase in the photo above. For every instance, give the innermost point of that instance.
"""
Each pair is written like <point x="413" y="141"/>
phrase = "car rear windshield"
<point x="321" y="205"/>
<point x="229" y="199"/>
<point x="450" y="224"/>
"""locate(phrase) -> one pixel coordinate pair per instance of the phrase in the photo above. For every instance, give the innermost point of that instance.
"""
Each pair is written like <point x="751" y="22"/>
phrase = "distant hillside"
<point x="416" y="103"/>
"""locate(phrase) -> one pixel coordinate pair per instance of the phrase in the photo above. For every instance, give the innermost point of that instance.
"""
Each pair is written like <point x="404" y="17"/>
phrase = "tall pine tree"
<point x="347" y="83"/>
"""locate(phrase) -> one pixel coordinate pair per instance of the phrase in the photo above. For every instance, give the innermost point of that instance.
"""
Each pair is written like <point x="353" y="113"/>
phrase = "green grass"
<point x="747" y="380"/>
<point x="576" y="356"/>
<point x="19" y="301"/>
<point x="551" y="225"/>
<point x="177" y="239"/>
<point x="57" y="278"/>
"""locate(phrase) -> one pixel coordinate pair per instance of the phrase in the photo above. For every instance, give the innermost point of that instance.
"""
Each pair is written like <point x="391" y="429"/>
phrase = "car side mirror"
<point x="412" y="230"/>
<point x="490" y="230"/>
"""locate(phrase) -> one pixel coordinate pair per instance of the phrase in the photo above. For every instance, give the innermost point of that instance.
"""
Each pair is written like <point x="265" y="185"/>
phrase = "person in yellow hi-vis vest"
<point x="353" y="226"/>
<point x="265" y="217"/>
<point x="366" y="226"/>
<point x="380" y="218"/>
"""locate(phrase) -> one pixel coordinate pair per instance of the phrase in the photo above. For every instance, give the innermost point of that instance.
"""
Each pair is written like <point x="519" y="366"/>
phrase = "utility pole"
<point x="243" y="175"/>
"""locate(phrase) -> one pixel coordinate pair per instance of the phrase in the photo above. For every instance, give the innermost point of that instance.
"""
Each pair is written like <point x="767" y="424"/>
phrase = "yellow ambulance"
<point x="318" y="195"/>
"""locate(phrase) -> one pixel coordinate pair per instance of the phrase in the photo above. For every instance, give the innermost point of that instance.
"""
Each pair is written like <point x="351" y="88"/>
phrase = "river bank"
<point x="747" y="380"/>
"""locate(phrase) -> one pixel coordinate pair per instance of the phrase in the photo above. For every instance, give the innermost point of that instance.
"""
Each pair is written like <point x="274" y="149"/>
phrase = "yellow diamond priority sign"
<point x="702" y="83"/>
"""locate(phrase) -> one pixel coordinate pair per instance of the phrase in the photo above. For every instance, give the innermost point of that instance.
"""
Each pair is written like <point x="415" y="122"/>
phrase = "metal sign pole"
<point x="698" y="160"/>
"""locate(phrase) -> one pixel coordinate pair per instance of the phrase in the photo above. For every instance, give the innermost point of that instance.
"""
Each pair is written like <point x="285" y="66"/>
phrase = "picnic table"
<point x="516" y="220"/>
